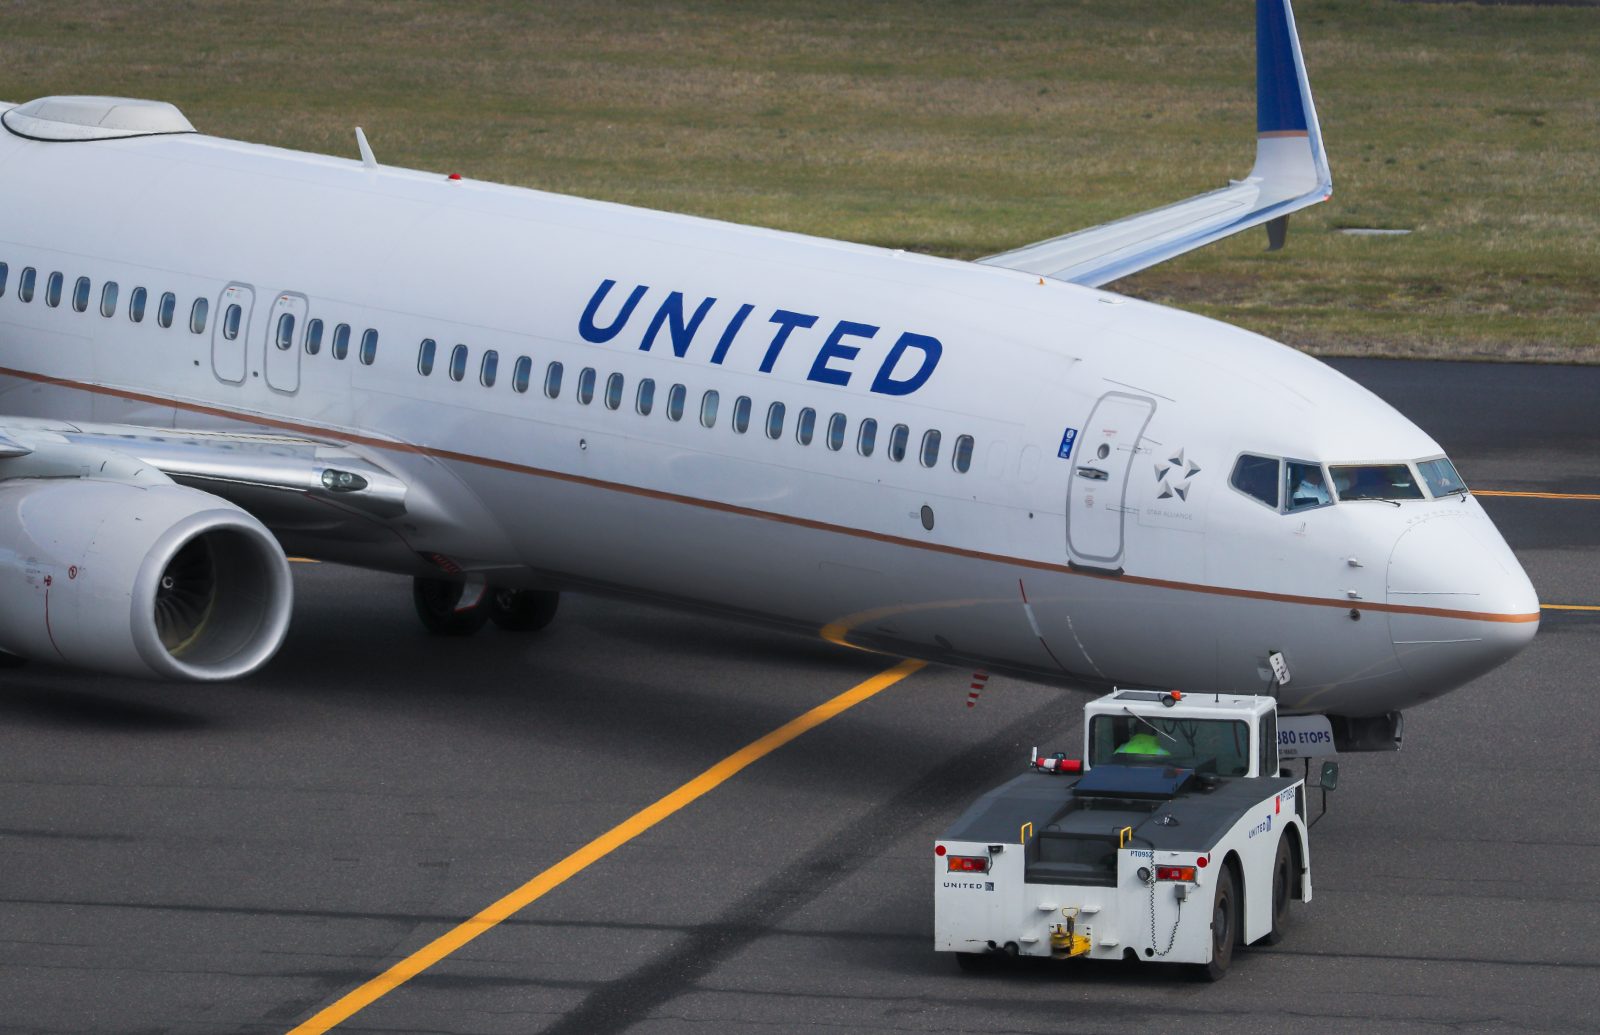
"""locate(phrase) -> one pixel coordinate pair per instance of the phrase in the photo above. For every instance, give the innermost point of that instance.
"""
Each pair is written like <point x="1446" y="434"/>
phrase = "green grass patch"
<point x="956" y="129"/>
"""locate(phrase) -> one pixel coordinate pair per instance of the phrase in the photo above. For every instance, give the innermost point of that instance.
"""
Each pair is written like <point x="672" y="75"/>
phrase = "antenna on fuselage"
<point x="366" y="150"/>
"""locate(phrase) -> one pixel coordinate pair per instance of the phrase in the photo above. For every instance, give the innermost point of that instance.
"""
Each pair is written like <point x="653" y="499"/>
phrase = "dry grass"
<point x="953" y="128"/>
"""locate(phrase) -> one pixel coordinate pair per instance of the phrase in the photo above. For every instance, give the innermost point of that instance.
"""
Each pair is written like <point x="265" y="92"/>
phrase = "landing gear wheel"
<point x="11" y="660"/>
<point x="522" y="610"/>
<point x="1282" y="891"/>
<point x="436" y="601"/>
<point x="1224" y="928"/>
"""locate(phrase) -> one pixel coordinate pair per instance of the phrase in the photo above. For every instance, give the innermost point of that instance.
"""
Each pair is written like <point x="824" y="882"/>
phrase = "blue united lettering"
<point x="834" y="346"/>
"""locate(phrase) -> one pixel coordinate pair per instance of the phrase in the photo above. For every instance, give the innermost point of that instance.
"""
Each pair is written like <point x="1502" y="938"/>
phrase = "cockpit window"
<point x="1306" y="486"/>
<point x="1441" y="477"/>
<point x="1257" y="477"/>
<point x="1376" y="482"/>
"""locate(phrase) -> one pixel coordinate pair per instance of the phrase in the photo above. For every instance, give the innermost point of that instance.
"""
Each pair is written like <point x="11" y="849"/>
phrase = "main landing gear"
<point x="460" y="609"/>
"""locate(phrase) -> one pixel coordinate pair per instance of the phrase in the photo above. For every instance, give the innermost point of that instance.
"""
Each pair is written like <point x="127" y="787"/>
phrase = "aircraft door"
<point x="285" y="326"/>
<point x="230" y="332"/>
<point x="1097" y="493"/>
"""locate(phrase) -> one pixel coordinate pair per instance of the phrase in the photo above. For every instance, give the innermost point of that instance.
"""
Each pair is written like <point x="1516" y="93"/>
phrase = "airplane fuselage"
<point x="1075" y="521"/>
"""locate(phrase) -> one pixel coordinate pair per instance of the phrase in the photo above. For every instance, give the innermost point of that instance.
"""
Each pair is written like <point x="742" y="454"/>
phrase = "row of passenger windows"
<point x="338" y="346"/>
<point x="138" y="298"/>
<point x="644" y="401"/>
<point x="199" y="311"/>
<point x="1291" y="485"/>
<point x="710" y="405"/>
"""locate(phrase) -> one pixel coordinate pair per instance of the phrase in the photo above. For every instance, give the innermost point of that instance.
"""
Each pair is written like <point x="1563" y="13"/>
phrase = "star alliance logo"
<point x="1174" y="476"/>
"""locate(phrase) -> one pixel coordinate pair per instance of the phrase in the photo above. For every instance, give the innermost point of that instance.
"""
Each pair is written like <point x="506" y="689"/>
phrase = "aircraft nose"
<point x="1461" y="602"/>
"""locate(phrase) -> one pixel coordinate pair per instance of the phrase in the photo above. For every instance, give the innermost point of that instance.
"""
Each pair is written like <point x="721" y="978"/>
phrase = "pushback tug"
<point x="1175" y="840"/>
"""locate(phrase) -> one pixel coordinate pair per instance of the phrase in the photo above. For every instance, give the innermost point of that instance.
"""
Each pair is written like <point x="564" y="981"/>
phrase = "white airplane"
<point x="212" y="352"/>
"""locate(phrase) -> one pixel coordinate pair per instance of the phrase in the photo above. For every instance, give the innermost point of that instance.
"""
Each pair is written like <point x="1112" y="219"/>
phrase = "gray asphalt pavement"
<point x="230" y="859"/>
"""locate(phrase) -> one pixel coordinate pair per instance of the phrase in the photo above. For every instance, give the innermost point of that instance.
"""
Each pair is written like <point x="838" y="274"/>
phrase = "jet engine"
<point x="154" y="580"/>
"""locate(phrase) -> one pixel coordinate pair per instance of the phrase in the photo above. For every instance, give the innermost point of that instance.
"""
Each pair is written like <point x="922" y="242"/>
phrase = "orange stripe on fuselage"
<point x="750" y="512"/>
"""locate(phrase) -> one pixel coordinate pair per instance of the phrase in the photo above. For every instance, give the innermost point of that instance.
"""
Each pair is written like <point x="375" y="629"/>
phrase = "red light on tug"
<point x="938" y="849"/>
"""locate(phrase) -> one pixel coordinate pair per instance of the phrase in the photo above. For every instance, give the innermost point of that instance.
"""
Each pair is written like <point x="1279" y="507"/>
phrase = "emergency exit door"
<point x="285" y="329"/>
<point x="1097" y="493"/>
<point x="230" y="331"/>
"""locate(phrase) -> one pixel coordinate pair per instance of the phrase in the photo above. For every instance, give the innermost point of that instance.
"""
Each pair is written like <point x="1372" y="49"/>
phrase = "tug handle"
<point x="1124" y="837"/>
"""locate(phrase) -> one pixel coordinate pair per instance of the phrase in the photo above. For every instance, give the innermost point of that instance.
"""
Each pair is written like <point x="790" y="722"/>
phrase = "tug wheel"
<point x="1282" y="891"/>
<point x="1224" y="927"/>
<point x="975" y="962"/>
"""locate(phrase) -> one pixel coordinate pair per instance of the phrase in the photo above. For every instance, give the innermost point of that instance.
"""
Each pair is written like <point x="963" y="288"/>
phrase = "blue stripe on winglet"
<point x="1279" y="107"/>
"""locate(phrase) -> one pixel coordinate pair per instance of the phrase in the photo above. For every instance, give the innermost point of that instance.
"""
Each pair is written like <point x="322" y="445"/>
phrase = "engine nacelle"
<point x="144" y="580"/>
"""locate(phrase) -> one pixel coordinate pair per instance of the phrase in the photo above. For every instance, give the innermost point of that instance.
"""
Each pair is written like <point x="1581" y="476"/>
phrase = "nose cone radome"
<point x="1460" y="602"/>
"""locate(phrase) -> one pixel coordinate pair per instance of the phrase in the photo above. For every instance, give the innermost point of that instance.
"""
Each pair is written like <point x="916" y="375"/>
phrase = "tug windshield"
<point x="1220" y="746"/>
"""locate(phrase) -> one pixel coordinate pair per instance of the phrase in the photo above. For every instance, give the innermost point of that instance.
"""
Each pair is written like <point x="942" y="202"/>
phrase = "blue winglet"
<point x="1280" y="108"/>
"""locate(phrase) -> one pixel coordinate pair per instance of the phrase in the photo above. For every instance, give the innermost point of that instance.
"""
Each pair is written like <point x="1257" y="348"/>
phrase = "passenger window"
<point x="898" y="439"/>
<point x="458" y="363"/>
<point x="284" y="338"/>
<point x="614" y="392"/>
<point x="80" y="294"/>
<point x="230" y="321"/>
<point x="1257" y="477"/>
<point x="675" y="402"/>
<point x="867" y="437"/>
<point x="108" y="299"/>
<point x="930" y="447"/>
<point x="52" y="290"/>
<point x="313" y="337"/>
<point x="836" y="425"/>
<point x="488" y="368"/>
<point x="136" y="303"/>
<point x="552" y="381"/>
<point x="25" y="284"/>
<point x="708" y="408"/>
<point x="741" y="414"/>
<point x="962" y="457"/>
<point x="1306" y="486"/>
<point x="197" y="315"/>
<point x="586" y="386"/>
<point x="805" y="426"/>
<point x="4" y="270"/>
<point x="521" y="374"/>
<point x="167" y="308"/>
<point x="369" y="346"/>
<point x="775" y="421"/>
<point x="425" y="353"/>
<point x="341" y="342"/>
<point x="645" y="401"/>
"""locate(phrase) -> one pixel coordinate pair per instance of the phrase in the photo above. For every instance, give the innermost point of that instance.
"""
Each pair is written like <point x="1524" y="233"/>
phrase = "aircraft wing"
<point x="1290" y="173"/>
<point x="305" y="491"/>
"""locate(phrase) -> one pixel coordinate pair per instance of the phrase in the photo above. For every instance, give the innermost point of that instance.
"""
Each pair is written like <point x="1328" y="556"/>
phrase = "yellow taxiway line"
<point x="353" y="1002"/>
<point x="1569" y="607"/>
<point x="1538" y="495"/>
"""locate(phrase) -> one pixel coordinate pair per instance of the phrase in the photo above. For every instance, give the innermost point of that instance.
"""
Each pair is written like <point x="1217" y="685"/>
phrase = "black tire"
<point x="11" y="660"/>
<point x="522" y="610"/>
<point x="1224" y="927"/>
<point x="975" y="962"/>
<point x="436" y="601"/>
<point x="1283" y="875"/>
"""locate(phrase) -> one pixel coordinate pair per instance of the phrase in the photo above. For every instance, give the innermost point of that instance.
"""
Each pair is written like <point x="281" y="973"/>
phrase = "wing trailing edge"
<point x="1290" y="173"/>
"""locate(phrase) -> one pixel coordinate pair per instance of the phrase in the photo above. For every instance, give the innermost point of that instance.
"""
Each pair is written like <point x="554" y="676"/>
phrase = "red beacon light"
<point x="455" y="177"/>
